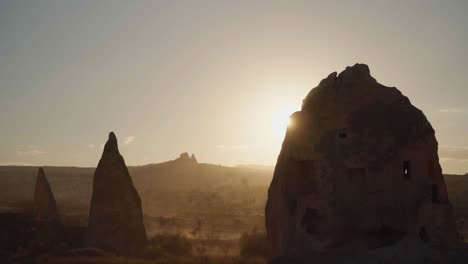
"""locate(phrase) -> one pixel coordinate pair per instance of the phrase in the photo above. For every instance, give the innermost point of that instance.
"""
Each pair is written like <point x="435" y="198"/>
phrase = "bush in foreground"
<point x="169" y="245"/>
<point x="253" y="244"/>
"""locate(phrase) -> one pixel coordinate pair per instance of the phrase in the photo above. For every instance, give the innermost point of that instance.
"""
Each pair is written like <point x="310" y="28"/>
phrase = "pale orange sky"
<point x="214" y="78"/>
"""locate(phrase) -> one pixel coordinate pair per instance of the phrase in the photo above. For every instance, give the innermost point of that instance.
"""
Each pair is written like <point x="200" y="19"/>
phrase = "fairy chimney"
<point x="116" y="217"/>
<point x="358" y="170"/>
<point x="45" y="206"/>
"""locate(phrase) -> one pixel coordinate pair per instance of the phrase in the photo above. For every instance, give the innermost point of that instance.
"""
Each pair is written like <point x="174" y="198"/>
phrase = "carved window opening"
<point x="406" y="169"/>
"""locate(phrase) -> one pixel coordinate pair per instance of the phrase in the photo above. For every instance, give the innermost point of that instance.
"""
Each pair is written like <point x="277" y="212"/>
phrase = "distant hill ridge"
<point x="73" y="185"/>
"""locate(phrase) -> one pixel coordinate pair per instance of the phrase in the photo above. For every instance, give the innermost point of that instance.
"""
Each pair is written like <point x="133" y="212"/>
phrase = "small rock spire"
<point x="116" y="200"/>
<point x="193" y="158"/>
<point x="45" y="206"/>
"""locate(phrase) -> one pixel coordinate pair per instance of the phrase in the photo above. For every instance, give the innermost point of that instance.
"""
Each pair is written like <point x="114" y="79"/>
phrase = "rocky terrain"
<point x="211" y="205"/>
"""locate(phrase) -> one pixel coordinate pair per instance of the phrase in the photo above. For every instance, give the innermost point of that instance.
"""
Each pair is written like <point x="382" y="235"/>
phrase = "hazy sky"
<point x="215" y="78"/>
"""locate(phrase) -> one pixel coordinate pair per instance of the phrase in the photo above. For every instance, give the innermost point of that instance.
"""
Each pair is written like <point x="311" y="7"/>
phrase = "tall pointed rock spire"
<point x="116" y="217"/>
<point x="45" y="206"/>
<point x="45" y="210"/>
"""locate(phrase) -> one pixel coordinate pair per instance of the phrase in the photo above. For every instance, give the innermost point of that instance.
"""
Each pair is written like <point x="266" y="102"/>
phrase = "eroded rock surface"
<point x="116" y="218"/>
<point x="358" y="171"/>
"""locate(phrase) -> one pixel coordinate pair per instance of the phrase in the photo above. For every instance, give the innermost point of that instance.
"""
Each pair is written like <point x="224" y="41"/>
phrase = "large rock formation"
<point x="358" y="170"/>
<point x="45" y="211"/>
<point x="115" y="217"/>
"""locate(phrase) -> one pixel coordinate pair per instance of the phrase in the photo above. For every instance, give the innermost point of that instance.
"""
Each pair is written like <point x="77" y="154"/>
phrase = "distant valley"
<point x="175" y="194"/>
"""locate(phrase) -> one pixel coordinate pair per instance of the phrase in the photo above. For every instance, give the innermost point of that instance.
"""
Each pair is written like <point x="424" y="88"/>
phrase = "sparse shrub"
<point x="253" y="244"/>
<point x="254" y="260"/>
<point x="169" y="245"/>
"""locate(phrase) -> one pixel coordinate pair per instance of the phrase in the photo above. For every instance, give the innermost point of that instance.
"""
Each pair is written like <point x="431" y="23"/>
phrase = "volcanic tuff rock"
<point x="115" y="218"/>
<point x="48" y="226"/>
<point x="358" y="170"/>
<point x="45" y="206"/>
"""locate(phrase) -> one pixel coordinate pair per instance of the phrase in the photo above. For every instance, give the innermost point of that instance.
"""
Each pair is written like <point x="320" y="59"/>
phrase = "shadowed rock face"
<point x="45" y="206"/>
<point x="358" y="170"/>
<point x="116" y="218"/>
<point x="48" y="226"/>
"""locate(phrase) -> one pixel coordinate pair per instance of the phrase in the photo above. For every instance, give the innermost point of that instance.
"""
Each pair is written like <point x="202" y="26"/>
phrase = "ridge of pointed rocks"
<point x="186" y="158"/>
<point x="358" y="171"/>
<point x="116" y="217"/>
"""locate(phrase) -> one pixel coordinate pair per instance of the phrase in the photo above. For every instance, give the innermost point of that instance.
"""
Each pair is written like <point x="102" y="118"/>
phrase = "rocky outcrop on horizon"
<point x="115" y="218"/>
<point x="186" y="158"/>
<point x="358" y="172"/>
<point x="193" y="158"/>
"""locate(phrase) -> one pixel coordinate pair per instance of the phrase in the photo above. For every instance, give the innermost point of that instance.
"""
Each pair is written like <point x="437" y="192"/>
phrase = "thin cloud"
<point x="16" y="164"/>
<point x="239" y="147"/>
<point x="452" y="148"/>
<point x="129" y="140"/>
<point x="29" y="150"/>
<point x="459" y="153"/>
<point x="453" y="159"/>
<point x="453" y="110"/>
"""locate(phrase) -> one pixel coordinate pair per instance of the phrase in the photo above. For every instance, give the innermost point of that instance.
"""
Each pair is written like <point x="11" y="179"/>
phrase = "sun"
<point x="280" y="120"/>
